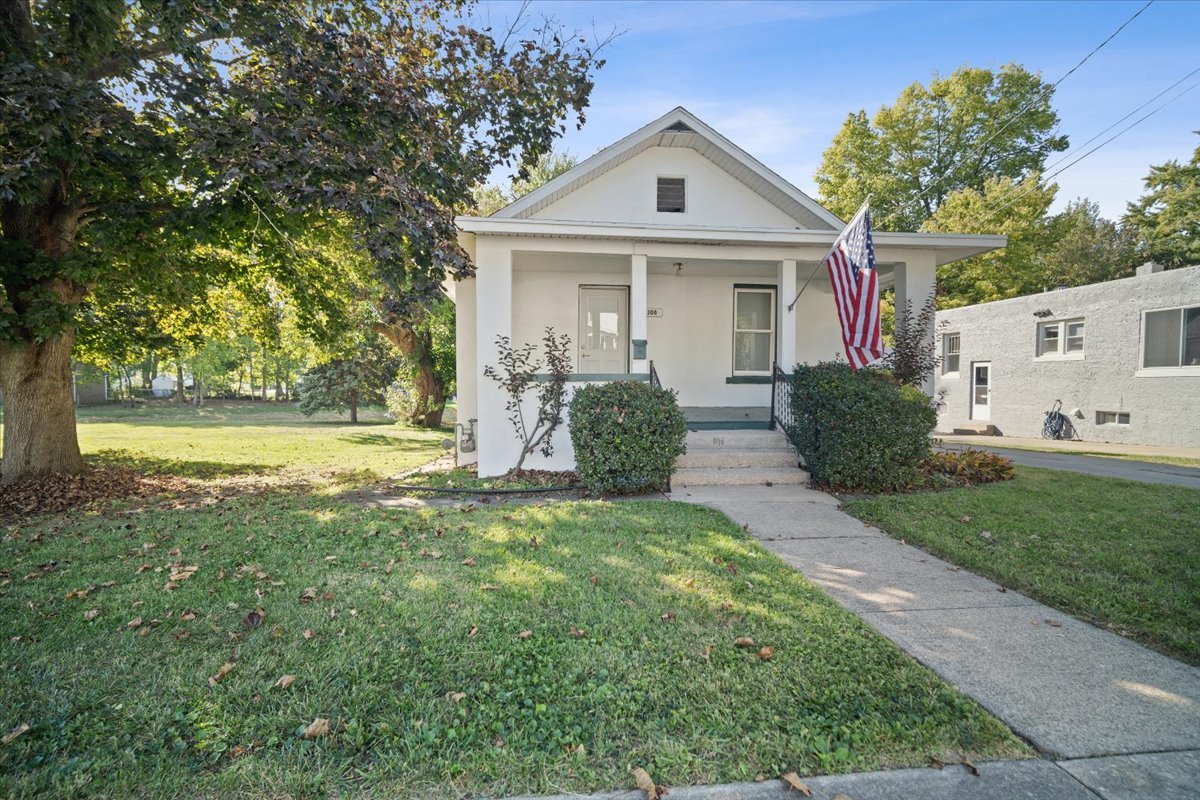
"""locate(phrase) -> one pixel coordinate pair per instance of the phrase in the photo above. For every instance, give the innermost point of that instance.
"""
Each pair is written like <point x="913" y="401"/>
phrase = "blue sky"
<point x="779" y="78"/>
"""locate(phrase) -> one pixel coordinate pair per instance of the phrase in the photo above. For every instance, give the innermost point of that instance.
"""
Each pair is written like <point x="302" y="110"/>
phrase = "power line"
<point x="1012" y="118"/>
<point x="1123" y="131"/>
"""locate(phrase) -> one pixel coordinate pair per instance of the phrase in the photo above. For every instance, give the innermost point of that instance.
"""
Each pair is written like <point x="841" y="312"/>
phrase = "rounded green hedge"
<point x="859" y="431"/>
<point x="626" y="436"/>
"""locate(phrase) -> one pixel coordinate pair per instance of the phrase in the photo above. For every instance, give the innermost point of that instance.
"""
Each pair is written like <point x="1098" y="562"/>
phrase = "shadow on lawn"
<point x="185" y="468"/>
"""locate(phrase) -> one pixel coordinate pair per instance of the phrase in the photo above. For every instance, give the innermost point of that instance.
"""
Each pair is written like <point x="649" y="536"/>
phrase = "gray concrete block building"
<point x="1123" y="356"/>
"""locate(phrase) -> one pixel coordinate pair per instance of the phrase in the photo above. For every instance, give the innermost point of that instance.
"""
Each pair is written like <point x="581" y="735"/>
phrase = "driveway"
<point x="1145" y="471"/>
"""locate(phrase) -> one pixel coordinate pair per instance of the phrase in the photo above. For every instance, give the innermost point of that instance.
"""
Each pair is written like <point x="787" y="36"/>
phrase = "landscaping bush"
<point x="967" y="468"/>
<point x="626" y="436"/>
<point x="859" y="431"/>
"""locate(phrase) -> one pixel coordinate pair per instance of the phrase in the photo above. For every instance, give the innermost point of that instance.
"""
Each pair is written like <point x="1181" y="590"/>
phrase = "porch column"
<point x="916" y="281"/>
<point x="498" y="448"/>
<point x="785" y="354"/>
<point x="637" y="316"/>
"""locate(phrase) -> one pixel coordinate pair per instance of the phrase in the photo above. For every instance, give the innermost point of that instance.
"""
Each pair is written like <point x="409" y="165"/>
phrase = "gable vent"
<point x="671" y="195"/>
<point x="678" y="127"/>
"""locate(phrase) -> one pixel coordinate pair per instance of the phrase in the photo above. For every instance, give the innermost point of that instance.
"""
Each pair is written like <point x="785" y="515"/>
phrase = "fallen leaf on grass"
<point x="170" y="586"/>
<point x="488" y="587"/>
<point x="188" y="615"/>
<point x="743" y="641"/>
<point x="133" y="623"/>
<point x="222" y="671"/>
<point x="965" y="518"/>
<point x="285" y="681"/>
<point x="667" y="616"/>
<point x="91" y="614"/>
<point x="577" y="633"/>
<point x="524" y="634"/>
<point x="183" y="573"/>
<point x="474" y="630"/>
<point x="469" y="562"/>
<point x="308" y="633"/>
<point x="254" y="618"/>
<point x="390" y="566"/>
<point x="594" y="580"/>
<point x="643" y="781"/>
<point x="308" y="595"/>
<point x="456" y="697"/>
<point x="9" y="737"/>
<point x="318" y="727"/>
<point x="765" y="653"/>
<point x="792" y="780"/>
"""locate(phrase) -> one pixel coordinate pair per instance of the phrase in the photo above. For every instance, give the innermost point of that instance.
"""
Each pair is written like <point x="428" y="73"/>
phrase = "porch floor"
<point x="702" y="418"/>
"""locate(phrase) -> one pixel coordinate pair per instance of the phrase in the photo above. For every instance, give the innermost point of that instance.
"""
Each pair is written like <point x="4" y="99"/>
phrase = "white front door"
<point x="603" y="330"/>
<point x="981" y="390"/>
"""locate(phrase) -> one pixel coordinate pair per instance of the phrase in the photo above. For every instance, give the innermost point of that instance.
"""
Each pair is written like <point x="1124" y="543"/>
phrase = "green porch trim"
<point x="748" y="379"/>
<point x="600" y="377"/>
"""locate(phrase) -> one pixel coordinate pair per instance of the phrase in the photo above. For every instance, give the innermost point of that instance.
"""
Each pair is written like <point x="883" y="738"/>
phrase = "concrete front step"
<point x="736" y="440"/>
<point x="735" y="458"/>
<point x="739" y="476"/>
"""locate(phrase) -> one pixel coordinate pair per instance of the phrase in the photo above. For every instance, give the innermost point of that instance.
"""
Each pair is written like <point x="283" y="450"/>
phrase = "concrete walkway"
<point x="1105" y="467"/>
<point x="1074" y="691"/>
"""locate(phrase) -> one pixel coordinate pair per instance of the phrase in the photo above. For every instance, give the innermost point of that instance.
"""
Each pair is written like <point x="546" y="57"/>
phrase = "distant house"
<point x="162" y="386"/>
<point x="89" y="386"/>
<point x="1123" y="357"/>
<point x="671" y="256"/>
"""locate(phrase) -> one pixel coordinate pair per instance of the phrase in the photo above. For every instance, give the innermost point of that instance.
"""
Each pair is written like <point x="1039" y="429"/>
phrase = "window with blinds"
<point x="753" y="331"/>
<point x="672" y="195"/>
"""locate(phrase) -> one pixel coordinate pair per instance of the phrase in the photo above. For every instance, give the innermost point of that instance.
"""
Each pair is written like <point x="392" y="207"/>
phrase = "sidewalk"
<point x="1077" y="693"/>
<point x="1133" y="451"/>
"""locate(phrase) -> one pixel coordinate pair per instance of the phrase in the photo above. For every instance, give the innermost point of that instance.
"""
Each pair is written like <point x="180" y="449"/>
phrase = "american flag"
<point x="851" y="265"/>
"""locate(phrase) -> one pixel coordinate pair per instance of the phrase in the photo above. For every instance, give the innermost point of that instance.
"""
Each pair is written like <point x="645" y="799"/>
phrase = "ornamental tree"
<point x="136" y="130"/>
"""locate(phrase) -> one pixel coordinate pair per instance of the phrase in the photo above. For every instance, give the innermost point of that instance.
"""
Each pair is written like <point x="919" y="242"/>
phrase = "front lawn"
<point x="1121" y="554"/>
<point x="226" y="439"/>
<point x="451" y="652"/>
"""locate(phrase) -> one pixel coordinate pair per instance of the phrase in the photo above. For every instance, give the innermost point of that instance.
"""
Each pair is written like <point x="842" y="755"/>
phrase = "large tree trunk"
<point x="354" y="406"/>
<point x="417" y="347"/>
<point x="180" y="393"/>
<point x="39" y="412"/>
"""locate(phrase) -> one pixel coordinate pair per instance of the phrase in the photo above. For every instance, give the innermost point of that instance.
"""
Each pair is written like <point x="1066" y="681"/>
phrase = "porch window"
<point x="753" y="330"/>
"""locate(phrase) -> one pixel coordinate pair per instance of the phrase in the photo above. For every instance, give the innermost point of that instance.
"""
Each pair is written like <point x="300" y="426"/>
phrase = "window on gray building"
<point x="1060" y="338"/>
<point x="1171" y="338"/>
<point x="950" y="348"/>
<point x="1112" y="417"/>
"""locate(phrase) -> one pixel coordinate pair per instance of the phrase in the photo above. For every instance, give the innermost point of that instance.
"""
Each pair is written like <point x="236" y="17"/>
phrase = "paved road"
<point x="1145" y="471"/>
<point x="1076" y="692"/>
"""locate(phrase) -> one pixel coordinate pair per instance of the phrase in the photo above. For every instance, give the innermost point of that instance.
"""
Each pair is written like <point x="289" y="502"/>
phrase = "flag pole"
<point x="861" y="209"/>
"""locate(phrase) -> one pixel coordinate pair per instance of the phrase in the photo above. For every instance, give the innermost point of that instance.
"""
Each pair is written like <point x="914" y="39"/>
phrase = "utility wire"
<point x="1012" y="118"/>
<point x="1123" y="131"/>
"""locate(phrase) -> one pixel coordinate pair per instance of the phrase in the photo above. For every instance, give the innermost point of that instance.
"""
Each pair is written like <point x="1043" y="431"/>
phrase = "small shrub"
<point x="859" y="431"/>
<point x="626" y="436"/>
<point x="967" y="467"/>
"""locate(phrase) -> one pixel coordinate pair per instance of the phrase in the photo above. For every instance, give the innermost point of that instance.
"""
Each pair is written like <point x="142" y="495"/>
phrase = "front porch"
<point x="727" y="418"/>
<point x="713" y="321"/>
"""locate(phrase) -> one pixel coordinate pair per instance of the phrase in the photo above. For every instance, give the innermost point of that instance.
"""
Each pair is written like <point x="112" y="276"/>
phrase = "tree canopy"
<point x="142" y="137"/>
<point x="939" y="139"/>
<point x="1167" y="217"/>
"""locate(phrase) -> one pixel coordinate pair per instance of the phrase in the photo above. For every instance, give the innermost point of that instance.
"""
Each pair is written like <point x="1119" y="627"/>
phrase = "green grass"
<point x="1122" y="554"/>
<point x="227" y="439"/>
<point x="468" y="478"/>
<point x="117" y="713"/>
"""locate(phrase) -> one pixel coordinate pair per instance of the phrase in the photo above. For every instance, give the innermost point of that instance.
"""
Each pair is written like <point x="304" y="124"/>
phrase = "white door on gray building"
<point x="981" y="390"/>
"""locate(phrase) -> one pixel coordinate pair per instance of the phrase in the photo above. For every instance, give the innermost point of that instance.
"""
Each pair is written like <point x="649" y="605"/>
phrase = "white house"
<point x="163" y="385"/>
<point x="1123" y="356"/>
<point x="672" y="251"/>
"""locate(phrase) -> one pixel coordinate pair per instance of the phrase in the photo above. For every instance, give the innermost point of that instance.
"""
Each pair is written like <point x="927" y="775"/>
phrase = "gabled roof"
<point x="681" y="128"/>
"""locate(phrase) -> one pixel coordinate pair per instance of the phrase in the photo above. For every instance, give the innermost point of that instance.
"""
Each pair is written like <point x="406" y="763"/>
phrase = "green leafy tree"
<point x="490" y="198"/>
<point x="936" y="140"/>
<point x="1166" y="218"/>
<point x="135" y="130"/>
<point x="1017" y="209"/>
<point x="348" y="382"/>
<point x="1088" y="248"/>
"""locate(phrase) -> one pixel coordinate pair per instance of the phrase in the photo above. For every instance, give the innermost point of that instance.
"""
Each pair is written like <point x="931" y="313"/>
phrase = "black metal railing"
<point x="783" y="416"/>
<point x="654" y="381"/>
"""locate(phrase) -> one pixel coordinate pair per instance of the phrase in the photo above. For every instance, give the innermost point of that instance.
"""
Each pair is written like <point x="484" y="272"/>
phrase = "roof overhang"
<point x="949" y="247"/>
